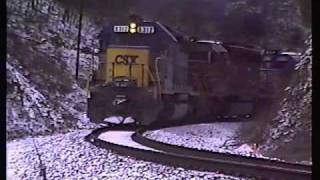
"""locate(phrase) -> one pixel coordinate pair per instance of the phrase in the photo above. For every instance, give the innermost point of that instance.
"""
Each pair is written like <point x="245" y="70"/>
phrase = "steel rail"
<point x="202" y="160"/>
<point x="278" y="169"/>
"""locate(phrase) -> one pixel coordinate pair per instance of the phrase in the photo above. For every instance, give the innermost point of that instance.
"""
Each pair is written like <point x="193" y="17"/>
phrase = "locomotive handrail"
<point x="158" y="76"/>
<point x="156" y="92"/>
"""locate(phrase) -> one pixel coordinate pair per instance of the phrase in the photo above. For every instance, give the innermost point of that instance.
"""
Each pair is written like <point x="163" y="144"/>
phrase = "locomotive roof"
<point x="214" y="45"/>
<point x="169" y="31"/>
<point x="291" y="53"/>
<point x="209" y="41"/>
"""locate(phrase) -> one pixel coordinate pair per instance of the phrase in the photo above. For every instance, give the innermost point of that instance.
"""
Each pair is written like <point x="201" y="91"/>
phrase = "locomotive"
<point x="153" y="74"/>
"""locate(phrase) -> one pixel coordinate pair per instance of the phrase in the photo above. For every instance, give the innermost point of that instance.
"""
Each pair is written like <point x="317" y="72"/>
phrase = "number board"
<point x="139" y="29"/>
<point x="120" y="28"/>
<point x="145" y="29"/>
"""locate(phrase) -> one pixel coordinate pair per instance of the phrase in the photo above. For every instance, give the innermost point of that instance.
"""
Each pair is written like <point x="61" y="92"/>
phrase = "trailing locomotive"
<point x="152" y="73"/>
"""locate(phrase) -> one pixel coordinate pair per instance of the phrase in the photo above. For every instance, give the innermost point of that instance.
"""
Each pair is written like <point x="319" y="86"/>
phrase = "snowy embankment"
<point x="216" y="137"/>
<point x="42" y="95"/>
<point x="68" y="156"/>
<point x="288" y="136"/>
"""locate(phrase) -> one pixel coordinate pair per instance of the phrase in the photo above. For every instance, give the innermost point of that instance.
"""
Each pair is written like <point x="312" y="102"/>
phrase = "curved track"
<point x="128" y="141"/>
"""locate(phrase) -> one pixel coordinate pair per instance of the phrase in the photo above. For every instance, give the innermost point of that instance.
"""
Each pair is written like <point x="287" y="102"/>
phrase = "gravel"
<point x="68" y="156"/>
<point x="215" y="137"/>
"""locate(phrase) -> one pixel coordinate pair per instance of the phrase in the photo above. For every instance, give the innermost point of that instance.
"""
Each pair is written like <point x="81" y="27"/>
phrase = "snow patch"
<point x="122" y="138"/>
<point x="119" y="120"/>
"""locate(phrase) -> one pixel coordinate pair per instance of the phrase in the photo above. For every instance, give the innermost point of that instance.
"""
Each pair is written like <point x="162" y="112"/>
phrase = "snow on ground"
<point x="119" y="120"/>
<point x="215" y="137"/>
<point x="122" y="138"/>
<point x="68" y="156"/>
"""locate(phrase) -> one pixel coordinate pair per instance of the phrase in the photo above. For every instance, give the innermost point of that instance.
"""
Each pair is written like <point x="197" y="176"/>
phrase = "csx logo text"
<point x="126" y="59"/>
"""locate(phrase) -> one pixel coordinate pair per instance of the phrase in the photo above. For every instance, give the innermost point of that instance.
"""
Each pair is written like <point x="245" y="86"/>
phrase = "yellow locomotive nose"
<point x="129" y="62"/>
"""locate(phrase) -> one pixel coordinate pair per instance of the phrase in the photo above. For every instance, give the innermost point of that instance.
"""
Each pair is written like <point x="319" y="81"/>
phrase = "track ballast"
<point x="199" y="159"/>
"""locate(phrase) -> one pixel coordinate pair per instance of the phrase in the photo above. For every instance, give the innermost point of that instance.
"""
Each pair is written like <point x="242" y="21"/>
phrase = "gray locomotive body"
<point x="154" y="74"/>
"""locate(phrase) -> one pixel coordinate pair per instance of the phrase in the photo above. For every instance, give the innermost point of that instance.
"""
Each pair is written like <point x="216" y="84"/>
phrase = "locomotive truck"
<point x="155" y="74"/>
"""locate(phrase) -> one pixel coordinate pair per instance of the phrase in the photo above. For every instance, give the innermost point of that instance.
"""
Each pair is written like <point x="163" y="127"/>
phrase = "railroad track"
<point x="202" y="160"/>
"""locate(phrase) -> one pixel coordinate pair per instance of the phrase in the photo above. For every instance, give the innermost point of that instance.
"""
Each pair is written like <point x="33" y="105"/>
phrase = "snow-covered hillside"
<point x="289" y="135"/>
<point x="42" y="95"/>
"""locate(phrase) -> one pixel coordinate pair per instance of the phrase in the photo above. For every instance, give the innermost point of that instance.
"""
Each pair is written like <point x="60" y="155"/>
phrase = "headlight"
<point x="133" y="25"/>
<point x="133" y="30"/>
